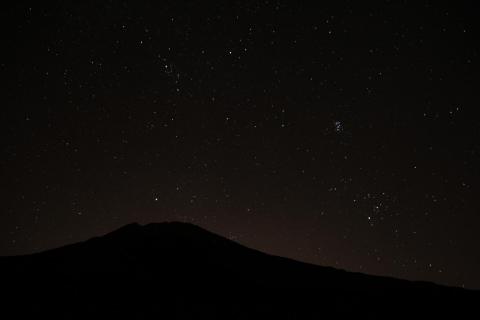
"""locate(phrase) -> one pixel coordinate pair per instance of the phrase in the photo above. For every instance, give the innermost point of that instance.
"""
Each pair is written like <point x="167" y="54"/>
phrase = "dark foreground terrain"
<point x="180" y="271"/>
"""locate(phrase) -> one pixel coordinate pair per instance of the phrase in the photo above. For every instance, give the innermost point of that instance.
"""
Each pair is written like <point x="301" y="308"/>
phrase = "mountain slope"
<point x="175" y="269"/>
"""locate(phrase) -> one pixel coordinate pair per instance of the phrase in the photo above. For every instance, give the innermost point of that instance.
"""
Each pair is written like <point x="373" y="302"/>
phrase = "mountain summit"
<point x="145" y="270"/>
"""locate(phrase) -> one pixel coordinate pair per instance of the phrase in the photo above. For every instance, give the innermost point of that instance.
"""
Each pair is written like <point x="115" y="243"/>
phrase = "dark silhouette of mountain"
<point x="178" y="270"/>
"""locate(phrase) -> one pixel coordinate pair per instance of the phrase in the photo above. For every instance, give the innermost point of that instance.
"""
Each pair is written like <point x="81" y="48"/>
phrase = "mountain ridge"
<point x="135" y="236"/>
<point x="173" y="267"/>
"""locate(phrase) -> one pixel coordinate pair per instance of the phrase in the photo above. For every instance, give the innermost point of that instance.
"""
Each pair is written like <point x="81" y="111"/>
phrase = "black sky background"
<point x="339" y="133"/>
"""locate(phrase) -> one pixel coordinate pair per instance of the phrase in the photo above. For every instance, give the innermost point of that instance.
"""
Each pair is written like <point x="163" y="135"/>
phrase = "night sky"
<point x="341" y="134"/>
